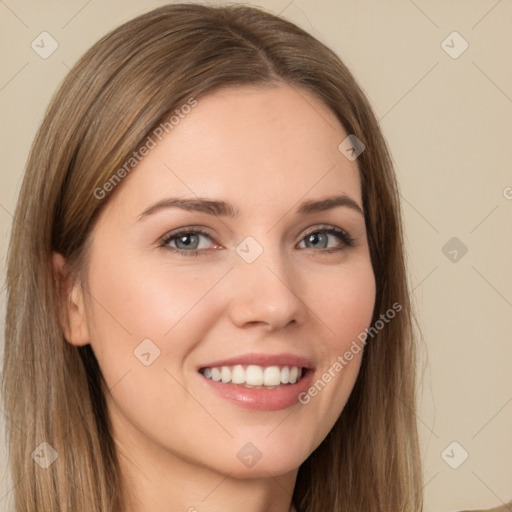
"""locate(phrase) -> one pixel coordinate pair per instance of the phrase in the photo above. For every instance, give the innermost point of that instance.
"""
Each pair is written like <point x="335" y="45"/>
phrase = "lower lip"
<point x="262" y="399"/>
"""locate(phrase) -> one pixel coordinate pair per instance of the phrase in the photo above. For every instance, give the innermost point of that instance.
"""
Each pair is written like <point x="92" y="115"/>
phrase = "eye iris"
<point x="187" y="241"/>
<point x="320" y="239"/>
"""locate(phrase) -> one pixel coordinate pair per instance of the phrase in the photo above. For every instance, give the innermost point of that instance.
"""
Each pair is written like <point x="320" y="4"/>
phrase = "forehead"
<point x="248" y="145"/>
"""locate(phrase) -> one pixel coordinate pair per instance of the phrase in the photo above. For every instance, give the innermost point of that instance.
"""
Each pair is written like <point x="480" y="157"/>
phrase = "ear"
<point x="72" y="317"/>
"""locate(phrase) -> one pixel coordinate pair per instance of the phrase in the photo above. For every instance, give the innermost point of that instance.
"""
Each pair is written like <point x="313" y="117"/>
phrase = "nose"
<point x="266" y="292"/>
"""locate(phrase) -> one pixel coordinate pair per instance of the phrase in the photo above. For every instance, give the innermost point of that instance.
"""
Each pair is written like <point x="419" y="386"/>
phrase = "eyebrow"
<point x="224" y="209"/>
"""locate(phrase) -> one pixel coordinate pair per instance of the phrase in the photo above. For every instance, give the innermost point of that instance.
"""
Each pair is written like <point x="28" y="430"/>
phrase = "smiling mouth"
<point x="254" y="376"/>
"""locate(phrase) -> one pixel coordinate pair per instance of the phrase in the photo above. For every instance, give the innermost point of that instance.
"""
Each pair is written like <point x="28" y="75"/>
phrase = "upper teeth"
<point x="254" y="375"/>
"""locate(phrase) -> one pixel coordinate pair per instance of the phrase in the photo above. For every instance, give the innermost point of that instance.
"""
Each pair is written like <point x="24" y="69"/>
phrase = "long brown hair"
<point x="107" y="105"/>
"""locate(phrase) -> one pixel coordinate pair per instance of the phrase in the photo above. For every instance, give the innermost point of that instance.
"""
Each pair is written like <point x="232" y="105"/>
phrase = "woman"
<point x="207" y="300"/>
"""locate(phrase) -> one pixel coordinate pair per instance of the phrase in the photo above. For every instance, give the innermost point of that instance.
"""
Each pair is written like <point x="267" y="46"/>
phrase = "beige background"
<point x="449" y="124"/>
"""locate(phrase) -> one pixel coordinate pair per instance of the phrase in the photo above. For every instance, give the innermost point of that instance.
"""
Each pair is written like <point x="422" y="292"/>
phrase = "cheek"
<point x="131" y="301"/>
<point x="345" y="302"/>
<point x="144" y="297"/>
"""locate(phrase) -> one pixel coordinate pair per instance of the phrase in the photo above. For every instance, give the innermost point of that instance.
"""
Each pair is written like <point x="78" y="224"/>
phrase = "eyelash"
<point x="346" y="239"/>
<point x="185" y="231"/>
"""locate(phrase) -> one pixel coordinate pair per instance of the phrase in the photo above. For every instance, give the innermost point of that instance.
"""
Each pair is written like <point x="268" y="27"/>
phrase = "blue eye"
<point x="187" y="242"/>
<point x="322" y="239"/>
<point x="193" y="242"/>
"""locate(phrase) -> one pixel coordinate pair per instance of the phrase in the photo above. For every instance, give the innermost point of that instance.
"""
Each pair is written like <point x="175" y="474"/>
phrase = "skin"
<point x="265" y="150"/>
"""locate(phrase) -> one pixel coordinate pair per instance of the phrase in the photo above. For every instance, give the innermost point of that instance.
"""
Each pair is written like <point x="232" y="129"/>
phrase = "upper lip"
<point x="282" y="359"/>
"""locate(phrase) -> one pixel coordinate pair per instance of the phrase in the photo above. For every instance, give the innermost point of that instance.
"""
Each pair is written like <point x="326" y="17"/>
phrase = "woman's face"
<point x="236" y="249"/>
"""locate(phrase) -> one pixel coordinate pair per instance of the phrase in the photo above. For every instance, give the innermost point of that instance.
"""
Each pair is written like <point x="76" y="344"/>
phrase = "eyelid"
<point x="186" y="230"/>
<point x="324" y="227"/>
<point x="343" y="234"/>
<point x="346" y="239"/>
